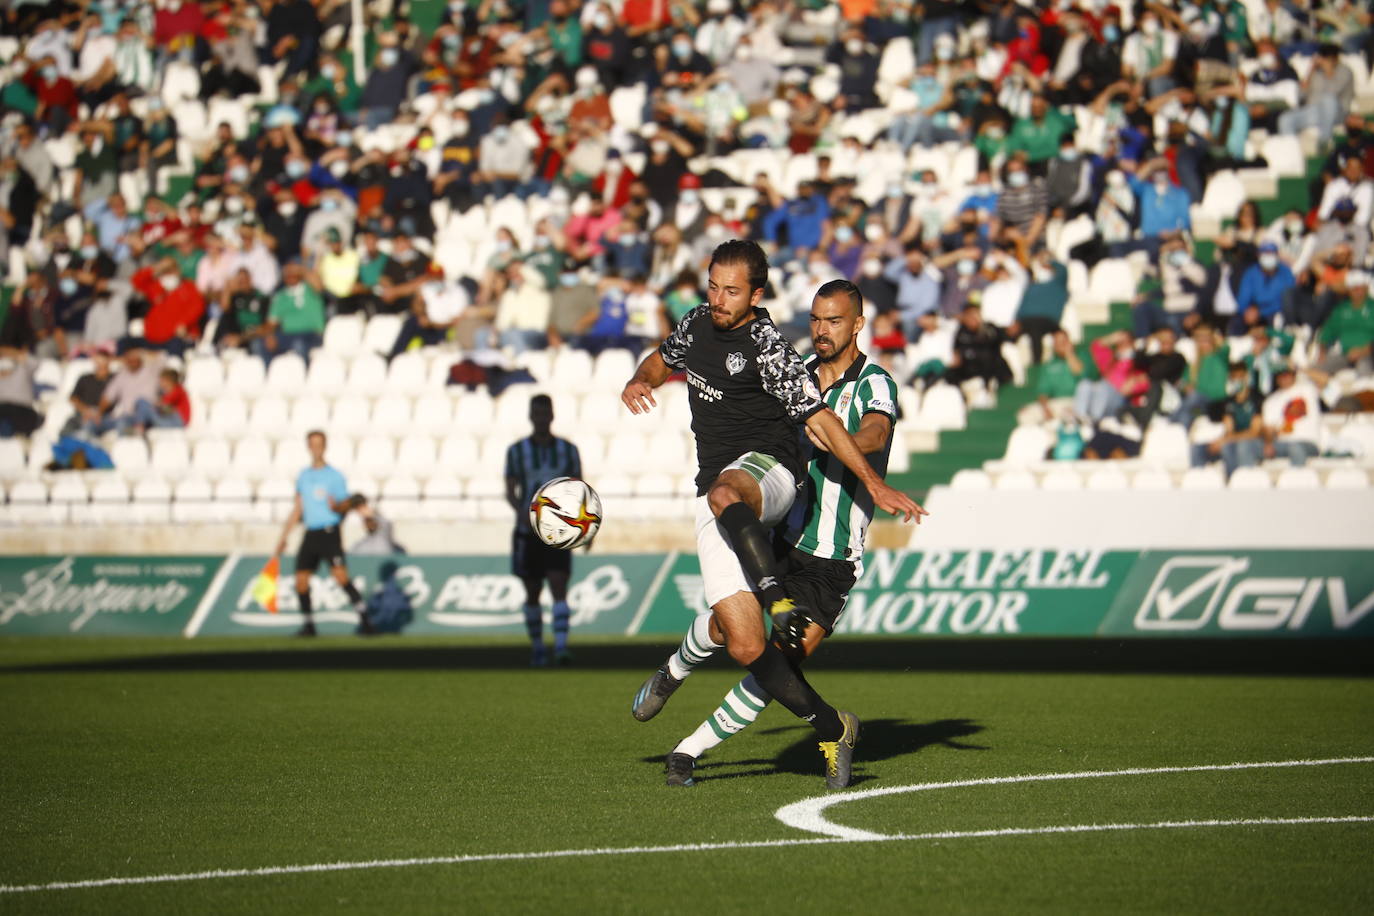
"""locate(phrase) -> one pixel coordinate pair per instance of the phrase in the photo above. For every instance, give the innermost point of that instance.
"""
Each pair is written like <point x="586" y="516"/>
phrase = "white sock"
<point x="735" y="713"/>
<point x="697" y="646"/>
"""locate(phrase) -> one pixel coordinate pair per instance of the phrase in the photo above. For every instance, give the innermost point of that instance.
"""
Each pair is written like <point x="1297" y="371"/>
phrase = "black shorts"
<point x="320" y="545"/>
<point x="531" y="558"/>
<point x="820" y="585"/>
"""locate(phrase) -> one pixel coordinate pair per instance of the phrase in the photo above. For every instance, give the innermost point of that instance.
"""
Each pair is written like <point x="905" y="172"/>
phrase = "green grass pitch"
<point x="131" y="758"/>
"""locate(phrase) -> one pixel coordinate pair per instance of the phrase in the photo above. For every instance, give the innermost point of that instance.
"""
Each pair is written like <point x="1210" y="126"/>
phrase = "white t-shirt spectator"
<point x="504" y="151"/>
<point x="447" y="304"/>
<point x="641" y="314"/>
<point x="1361" y="193"/>
<point x="1294" y="412"/>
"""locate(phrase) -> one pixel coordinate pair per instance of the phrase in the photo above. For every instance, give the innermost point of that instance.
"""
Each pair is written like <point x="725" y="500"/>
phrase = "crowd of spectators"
<point x="330" y="196"/>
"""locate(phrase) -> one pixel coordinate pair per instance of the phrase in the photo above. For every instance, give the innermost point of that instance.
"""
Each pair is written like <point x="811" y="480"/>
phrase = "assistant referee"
<point x="322" y="500"/>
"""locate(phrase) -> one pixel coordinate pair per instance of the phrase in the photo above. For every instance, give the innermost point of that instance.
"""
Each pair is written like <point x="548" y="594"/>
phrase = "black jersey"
<point x="749" y="391"/>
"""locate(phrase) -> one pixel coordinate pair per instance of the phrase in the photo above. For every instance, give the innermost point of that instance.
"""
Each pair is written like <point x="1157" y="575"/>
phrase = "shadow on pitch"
<point x="880" y="739"/>
<point x="1318" y="657"/>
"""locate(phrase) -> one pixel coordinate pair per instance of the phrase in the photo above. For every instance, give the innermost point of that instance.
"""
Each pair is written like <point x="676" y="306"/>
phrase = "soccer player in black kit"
<point x="749" y="394"/>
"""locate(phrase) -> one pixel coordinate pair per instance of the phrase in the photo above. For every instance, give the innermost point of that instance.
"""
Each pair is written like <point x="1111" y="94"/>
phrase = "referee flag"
<point x="265" y="588"/>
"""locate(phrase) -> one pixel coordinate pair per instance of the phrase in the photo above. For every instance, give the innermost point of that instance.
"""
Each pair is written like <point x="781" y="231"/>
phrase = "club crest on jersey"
<point x="735" y="362"/>
<point x="844" y="402"/>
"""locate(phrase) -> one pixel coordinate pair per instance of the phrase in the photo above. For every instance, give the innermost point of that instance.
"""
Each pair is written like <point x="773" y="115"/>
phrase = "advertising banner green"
<point x="102" y="596"/>
<point x="1084" y="593"/>
<point x="1246" y="593"/>
<point x="472" y="595"/>
<point x="1034" y="592"/>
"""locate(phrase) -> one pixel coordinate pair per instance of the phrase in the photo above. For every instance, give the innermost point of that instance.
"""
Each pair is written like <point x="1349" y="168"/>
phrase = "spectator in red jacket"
<point x="175" y="306"/>
<point x="55" y="94"/>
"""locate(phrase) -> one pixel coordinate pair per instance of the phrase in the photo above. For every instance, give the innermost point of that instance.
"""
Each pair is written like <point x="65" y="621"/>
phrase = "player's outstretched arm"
<point x="639" y="391"/>
<point x="826" y="427"/>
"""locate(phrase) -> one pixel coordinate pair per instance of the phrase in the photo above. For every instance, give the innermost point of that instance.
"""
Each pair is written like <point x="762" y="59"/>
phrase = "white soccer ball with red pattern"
<point x="565" y="513"/>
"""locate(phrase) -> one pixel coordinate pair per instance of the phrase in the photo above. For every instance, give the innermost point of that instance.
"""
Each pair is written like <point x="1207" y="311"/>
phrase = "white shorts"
<point x="721" y="574"/>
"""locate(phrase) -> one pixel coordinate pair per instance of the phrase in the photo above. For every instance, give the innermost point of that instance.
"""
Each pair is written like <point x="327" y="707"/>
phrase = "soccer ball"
<point x="565" y="513"/>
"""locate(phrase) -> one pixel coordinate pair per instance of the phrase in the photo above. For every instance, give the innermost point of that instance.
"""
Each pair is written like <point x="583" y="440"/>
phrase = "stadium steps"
<point x="985" y="436"/>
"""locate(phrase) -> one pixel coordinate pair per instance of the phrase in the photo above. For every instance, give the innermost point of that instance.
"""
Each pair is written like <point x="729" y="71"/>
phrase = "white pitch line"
<point x="809" y="814"/>
<point x="682" y="847"/>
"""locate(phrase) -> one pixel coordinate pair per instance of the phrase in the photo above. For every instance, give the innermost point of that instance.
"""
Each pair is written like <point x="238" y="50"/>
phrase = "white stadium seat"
<point x="380" y="334"/>
<point x="270" y="416"/>
<point x="286" y="375"/>
<point x="433" y="414"/>
<point x="971" y="479"/>
<point x="390" y="414"/>
<point x="1298" y="479"/>
<point x="1347" y="479"/>
<point x="129" y="455"/>
<point x="343" y="335"/>
<point x="1250" y="479"/>
<point x="408" y="374"/>
<point x="170" y="458"/>
<point x="457" y="452"/>
<point x="326" y="375"/>
<point x="308" y="412"/>
<point x="210" y="458"/>
<point x="245" y="376"/>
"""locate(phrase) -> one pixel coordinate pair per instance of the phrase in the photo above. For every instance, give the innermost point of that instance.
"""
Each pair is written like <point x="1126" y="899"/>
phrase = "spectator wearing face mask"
<point x="1163" y="207"/>
<point x="1148" y="55"/>
<point x="924" y="124"/>
<point x="436" y="309"/>
<point x="505" y="164"/>
<point x="1068" y="181"/>
<point x="1273" y="87"/>
<point x="283" y="224"/>
<point x="962" y="282"/>
<point x="1265" y="285"/>
<point x="797" y="223"/>
<point x="1327" y="94"/>
<point x="1340" y="232"/>
<point x="175" y="306"/>
<point x="385" y="88"/>
<point x="717" y="37"/>
<point x="1168" y="295"/>
<point x="295" y="316"/>
<point x="858" y="63"/>
<point x="402" y="276"/>
<point x="665" y="165"/>
<point x="918" y="287"/>
<point x="755" y="77"/>
<point x="1042" y="304"/>
<point x="1040" y="135"/>
<point x="1022" y="207"/>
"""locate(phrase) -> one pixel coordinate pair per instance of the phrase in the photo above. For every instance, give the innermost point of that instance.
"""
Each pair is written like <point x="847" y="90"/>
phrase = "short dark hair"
<point x="541" y="399"/>
<point x="843" y="288"/>
<point x="743" y="251"/>
<point x="316" y="432"/>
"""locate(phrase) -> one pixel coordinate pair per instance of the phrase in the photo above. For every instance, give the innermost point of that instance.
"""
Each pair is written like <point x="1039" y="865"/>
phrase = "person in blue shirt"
<point x="803" y="217"/>
<point x="322" y="500"/>
<point x="1163" y="208"/>
<point x="531" y="463"/>
<point x="1265" y="284"/>
<point x="918" y="287"/>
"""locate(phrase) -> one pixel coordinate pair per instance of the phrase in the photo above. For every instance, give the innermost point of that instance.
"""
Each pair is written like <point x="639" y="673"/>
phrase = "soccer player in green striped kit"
<point x="823" y="537"/>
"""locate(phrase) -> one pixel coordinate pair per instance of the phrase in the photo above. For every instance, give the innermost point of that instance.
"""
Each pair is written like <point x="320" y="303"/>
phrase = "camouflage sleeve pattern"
<point x="783" y="373"/>
<point x="674" y="346"/>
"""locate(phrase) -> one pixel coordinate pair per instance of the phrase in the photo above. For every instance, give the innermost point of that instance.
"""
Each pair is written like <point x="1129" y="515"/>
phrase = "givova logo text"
<point x="1189" y="593"/>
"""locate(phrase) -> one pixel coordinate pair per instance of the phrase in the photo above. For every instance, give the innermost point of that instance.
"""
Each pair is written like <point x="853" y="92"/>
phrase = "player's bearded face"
<point x="729" y="295"/>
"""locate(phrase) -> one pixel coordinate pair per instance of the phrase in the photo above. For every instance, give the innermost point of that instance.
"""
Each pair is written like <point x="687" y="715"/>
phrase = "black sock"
<point x="306" y="607"/>
<point x="776" y="675"/>
<point x="353" y="594"/>
<point x="750" y="541"/>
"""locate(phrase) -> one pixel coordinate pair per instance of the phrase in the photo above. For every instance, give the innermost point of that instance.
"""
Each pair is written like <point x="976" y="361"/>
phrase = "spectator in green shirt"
<point x="1059" y="377"/>
<point x="1203" y="387"/>
<point x="295" y="319"/>
<point x="1039" y="135"/>
<point x="1242" y="445"/>
<point x="565" y="34"/>
<point x="1348" y="334"/>
<point x="336" y="83"/>
<point x="1042" y="304"/>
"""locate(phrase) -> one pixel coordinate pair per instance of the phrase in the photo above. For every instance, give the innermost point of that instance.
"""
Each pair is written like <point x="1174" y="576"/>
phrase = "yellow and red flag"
<point x="265" y="588"/>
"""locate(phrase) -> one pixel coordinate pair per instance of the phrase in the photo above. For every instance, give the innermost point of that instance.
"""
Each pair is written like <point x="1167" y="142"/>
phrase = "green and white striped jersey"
<point x="832" y="516"/>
